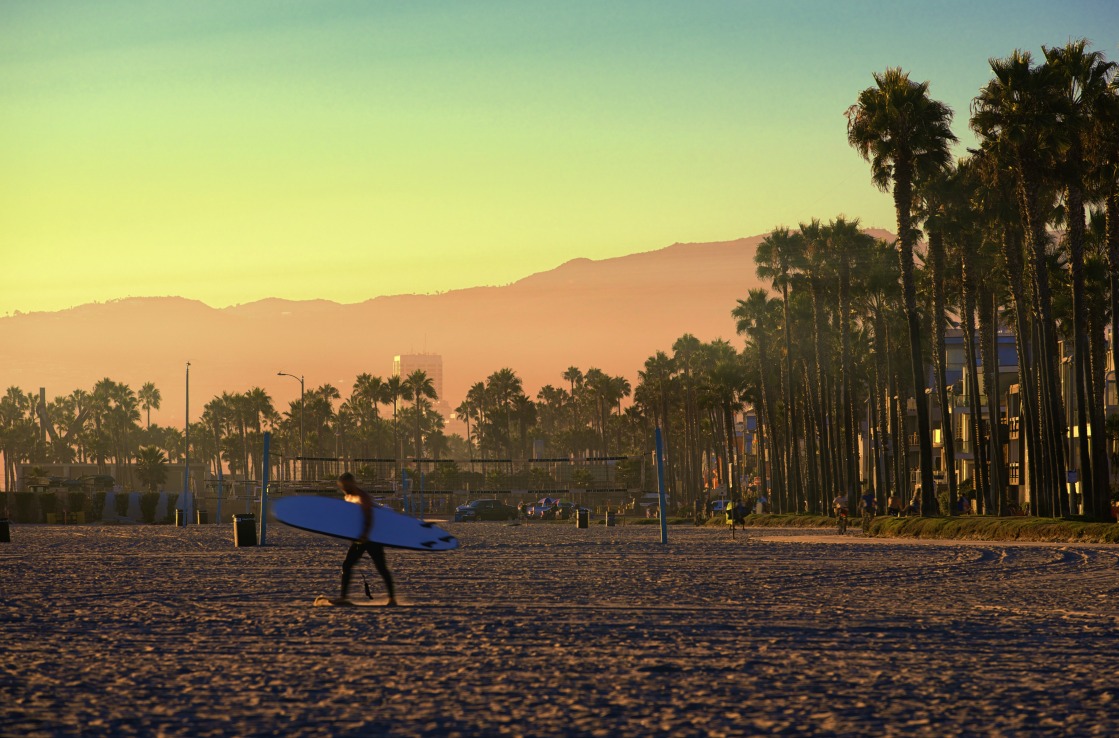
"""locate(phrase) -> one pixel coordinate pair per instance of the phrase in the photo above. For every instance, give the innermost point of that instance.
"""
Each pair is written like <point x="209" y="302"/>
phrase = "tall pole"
<point x="186" y="466"/>
<point x="660" y="486"/>
<point x="302" y="395"/>
<point x="264" y="487"/>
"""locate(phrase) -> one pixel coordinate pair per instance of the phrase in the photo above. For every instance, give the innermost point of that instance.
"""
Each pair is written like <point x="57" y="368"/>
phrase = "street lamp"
<point x="186" y="452"/>
<point x="300" y="378"/>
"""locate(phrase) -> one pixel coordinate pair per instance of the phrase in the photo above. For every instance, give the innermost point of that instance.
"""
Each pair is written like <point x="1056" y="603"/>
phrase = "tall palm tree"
<point x="905" y="135"/>
<point x="419" y="388"/>
<point x="754" y="317"/>
<point x="779" y="258"/>
<point x="573" y="375"/>
<point x="1017" y="118"/>
<point x="149" y="398"/>
<point x="935" y="194"/>
<point x="1081" y="79"/>
<point x="394" y="391"/>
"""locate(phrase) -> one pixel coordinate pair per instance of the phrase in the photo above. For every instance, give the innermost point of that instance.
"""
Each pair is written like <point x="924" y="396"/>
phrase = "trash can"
<point x="180" y="519"/>
<point x="611" y="521"/>
<point x="202" y="517"/>
<point x="582" y="518"/>
<point x="244" y="530"/>
<point x="5" y="533"/>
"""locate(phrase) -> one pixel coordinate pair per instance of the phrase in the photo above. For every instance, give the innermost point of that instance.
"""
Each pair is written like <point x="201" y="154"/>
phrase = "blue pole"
<point x="660" y="485"/>
<point x="406" y="489"/>
<point x="264" y="487"/>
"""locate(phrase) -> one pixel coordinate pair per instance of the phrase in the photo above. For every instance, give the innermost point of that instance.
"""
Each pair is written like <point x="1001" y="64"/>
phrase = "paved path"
<point x="550" y="630"/>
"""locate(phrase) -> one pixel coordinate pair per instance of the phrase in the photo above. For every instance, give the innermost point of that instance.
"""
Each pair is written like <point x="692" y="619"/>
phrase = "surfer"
<point x="376" y="551"/>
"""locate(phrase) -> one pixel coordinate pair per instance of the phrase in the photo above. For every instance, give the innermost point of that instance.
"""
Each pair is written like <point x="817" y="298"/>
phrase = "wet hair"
<point x="346" y="477"/>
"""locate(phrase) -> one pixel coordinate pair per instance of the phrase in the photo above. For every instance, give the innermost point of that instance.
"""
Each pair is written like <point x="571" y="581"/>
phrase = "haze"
<point x="231" y="152"/>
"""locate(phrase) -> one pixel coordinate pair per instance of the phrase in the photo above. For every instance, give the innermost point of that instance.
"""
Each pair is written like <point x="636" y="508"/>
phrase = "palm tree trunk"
<point x="981" y="472"/>
<point x="1101" y="479"/>
<point x="793" y="476"/>
<point x="936" y="257"/>
<point x="903" y="202"/>
<point x="1096" y="501"/>
<point x="827" y="479"/>
<point x="847" y="384"/>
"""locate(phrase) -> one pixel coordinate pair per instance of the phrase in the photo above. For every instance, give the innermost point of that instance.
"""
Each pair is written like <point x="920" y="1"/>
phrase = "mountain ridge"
<point x="610" y="313"/>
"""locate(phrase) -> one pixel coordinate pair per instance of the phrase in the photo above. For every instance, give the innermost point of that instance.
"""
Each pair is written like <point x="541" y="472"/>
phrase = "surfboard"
<point x="333" y="517"/>
<point x="324" y="601"/>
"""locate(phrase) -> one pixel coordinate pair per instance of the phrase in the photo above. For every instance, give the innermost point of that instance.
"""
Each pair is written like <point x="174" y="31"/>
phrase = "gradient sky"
<point x="230" y="151"/>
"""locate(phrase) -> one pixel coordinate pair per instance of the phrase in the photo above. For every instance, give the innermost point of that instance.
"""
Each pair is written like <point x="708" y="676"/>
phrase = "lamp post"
<point x="186" y="453"/>
<point x="301" y="396"/>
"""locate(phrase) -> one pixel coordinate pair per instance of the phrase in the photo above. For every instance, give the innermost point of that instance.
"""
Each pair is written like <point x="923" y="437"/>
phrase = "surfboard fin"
<point x="365" y="581"/>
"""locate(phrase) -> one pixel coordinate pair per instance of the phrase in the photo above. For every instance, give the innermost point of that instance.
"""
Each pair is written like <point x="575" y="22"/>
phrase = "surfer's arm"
<point x="366" y="517"/>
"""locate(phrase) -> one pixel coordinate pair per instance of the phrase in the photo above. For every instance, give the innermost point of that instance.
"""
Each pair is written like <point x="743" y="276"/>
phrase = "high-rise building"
<point x="431" y="364"/>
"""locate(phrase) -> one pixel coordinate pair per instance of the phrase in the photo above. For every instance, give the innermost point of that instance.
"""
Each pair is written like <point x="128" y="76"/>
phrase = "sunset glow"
<point x="346" y="150"/>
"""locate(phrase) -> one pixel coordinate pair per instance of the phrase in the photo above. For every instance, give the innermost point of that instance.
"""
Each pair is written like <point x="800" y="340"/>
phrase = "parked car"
<point x="485" y="510"/>
<point x="541" y="512"/>
<point x="718" y="507"/>
<point x="567" y="510"/>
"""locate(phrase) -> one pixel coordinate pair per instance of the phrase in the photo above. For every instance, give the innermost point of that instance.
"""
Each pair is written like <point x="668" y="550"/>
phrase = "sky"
<point x="229" y="152"/>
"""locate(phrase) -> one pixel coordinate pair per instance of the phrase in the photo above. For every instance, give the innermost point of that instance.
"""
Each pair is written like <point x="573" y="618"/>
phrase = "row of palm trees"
<point x="1009" y="242"/>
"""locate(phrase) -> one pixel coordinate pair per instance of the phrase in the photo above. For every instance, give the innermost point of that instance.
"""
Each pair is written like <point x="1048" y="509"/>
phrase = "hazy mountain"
<point x="610" y="313"/>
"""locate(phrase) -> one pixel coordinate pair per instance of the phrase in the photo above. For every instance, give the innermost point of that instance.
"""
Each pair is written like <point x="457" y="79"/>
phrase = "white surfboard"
<point x="333" y="517"/>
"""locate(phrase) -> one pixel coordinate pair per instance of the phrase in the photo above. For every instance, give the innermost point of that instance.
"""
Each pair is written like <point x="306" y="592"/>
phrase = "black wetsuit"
<point x="376" y="552"/>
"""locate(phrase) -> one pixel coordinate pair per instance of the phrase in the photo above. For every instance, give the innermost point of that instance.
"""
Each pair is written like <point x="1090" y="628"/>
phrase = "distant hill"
<point x="610" y="313"/>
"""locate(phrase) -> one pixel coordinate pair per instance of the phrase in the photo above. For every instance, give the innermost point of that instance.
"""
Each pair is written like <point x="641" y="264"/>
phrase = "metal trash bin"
<point x="202" y="517"/>
<point x="180" y="519"/>
<point x="582" y="518"/>
<point x="611" y="521"/>
<point x="244" y="530"/>
<point x="5" y="532"/>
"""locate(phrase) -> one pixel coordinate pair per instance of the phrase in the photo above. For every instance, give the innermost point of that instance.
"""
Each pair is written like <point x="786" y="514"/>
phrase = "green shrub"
<point x="48" y="504"/>
<point x="75" y="501"/>
<point x="172" y="498"/>
<point x="121" y="504"/>
<point x="25" y="507"/>
<point x="98" y="507"/>
<point x="148" y="503"/>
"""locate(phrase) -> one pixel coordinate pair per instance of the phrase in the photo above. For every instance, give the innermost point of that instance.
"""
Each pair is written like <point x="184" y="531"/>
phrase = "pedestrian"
<point x="353" y="493"/>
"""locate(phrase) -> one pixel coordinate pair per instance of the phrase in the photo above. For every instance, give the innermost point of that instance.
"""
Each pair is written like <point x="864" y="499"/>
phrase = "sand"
<point x="550" y="630"/>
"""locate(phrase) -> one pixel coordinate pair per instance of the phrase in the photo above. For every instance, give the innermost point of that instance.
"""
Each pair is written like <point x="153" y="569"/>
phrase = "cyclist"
<point x="867" y="506"/>
<point x="839" y="507"/>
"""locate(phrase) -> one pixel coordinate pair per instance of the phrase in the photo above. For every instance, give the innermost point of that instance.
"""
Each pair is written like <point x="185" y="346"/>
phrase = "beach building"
<point x="430" y="364"/>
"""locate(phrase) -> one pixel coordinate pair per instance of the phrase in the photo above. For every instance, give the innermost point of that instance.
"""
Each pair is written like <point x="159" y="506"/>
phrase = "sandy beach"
<point x="551" y="630"/>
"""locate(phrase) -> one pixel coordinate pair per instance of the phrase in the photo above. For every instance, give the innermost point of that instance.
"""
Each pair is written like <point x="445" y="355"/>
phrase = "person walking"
<point x="353" y="493"/>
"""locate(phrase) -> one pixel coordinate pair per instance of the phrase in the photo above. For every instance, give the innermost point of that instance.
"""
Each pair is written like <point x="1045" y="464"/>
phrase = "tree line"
<point x="1020" y="234"/>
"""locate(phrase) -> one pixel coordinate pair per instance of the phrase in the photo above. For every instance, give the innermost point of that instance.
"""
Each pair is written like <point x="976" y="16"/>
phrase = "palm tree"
<point x="779" y="257"/>
<point x="817" y="272"/>
<point x="935" y="194"/>
<point x="394" y="391"/>
<point x="905" y="135"/>
<point x="503" y="386"/>
<point x="573" y="375"/>
<point x="1081" y="79"/>
<point x="1016" y="116"/>
<point x="151" y="467"/>
<point x="754" y="317"/>
<point x="149" y="398"/>
<point x="417" y="387"/>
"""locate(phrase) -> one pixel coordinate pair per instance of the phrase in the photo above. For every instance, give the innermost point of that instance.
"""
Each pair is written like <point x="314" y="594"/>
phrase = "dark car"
<point x="485" y="510"/>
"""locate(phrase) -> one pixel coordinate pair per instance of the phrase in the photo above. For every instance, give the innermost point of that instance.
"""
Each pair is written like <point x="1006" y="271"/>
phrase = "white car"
<point x="718" y="507"/>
